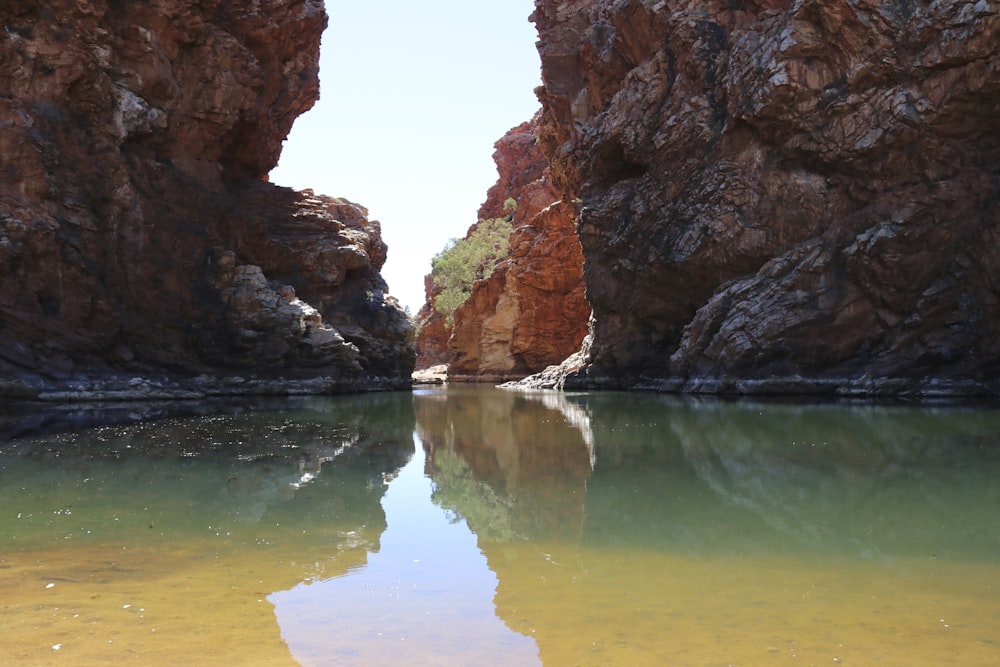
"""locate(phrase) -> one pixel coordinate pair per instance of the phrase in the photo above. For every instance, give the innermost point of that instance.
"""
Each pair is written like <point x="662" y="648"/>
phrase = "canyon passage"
<point x="772" y="196"/>
<point x="778" y="197"/>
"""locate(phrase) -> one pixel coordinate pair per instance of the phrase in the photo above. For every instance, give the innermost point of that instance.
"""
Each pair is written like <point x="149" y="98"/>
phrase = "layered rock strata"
<point x="142" y="252"/>
<point x="781" y="195"/>
<point x="531" y="312"/>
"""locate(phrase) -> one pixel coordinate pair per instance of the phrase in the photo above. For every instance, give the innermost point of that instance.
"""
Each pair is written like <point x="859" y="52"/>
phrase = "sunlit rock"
<point x="531" y="311"/>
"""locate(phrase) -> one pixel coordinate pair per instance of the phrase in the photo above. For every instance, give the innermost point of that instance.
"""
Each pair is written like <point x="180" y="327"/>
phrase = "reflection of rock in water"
<point x="195" y="519"/>
<point x="514" y="467"/>
<point x="714" y="477"/>
<point x="576" y="414"/>
<point x="310" y="475"/>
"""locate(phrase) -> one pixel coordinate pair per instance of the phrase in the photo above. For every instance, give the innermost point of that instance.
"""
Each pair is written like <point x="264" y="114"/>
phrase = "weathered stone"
<point x="531" y="311"/>
<point x="781" y="195"/>
<point x="138" y="236"/>
<point x="432" y="330"/>
<point x="432" y="375"/>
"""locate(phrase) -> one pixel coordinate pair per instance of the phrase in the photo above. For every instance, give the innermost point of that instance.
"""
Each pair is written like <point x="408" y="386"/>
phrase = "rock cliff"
<point x="781" y="195"/>
<point x="531" y="312"/>
<point x="142" y="252"/>
<point x="432" y="330"/>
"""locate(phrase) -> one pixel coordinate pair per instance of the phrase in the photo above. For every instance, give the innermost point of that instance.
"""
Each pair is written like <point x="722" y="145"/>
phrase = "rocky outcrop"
<point x="783" y="195"/>
<point x="520" y="167"/>
<point x="531" y="311"/>
<point x="432" y="330"/>
<point x="142" y="251"/>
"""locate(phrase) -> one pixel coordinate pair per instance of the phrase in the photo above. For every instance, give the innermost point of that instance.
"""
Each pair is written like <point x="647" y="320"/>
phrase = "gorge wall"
<point x="531" y="312"/>
<point x="779" y="195"/>
<point x="142" y="252"/>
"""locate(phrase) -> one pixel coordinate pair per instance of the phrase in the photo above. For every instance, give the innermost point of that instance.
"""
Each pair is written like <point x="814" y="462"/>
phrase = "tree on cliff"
<point x="464" y="261"/>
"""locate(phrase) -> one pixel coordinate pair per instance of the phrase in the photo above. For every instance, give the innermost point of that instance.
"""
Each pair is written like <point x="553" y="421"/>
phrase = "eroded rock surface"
<point x="142" y="251"/>
<point x="531" y="312"/>
<point x="781" y="195"/>
<point x="432" y="330"/>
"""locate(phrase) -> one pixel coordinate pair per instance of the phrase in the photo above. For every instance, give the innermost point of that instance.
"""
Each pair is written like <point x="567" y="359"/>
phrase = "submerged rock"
<point x="781" y="196"/>
<point x="142" y="252"/>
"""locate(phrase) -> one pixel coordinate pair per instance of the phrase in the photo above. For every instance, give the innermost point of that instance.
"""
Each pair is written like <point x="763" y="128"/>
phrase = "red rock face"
<point x="433" y="331"/>
<point x="138" y="237"/>
<point x="531" y="312"/>
<point x="781" y="196"/>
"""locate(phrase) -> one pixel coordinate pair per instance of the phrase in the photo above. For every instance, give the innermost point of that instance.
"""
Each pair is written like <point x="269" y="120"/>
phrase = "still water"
<point x="473" y="526"/>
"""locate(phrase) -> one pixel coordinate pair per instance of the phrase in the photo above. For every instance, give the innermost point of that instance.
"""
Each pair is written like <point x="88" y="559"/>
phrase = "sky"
<point x="413" y="95"/>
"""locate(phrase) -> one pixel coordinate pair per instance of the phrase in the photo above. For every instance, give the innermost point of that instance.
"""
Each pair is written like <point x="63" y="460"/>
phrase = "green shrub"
<point x="464" y="261"/>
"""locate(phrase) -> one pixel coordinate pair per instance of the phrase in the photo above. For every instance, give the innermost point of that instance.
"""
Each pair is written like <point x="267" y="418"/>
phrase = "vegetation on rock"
<point x="464" y="261"/>
<point x="492" y="514"/>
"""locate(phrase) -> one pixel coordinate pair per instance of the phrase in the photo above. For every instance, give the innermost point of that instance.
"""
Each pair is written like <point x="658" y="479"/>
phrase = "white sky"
<point x="412" y="97"/>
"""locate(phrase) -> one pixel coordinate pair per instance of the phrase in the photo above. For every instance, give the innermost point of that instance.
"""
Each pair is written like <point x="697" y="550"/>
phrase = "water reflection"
<point x="514" y="466"/>
<point x="745" y="533"/>
<point x="474" y="526"/>
<point x="762" y="478"/>
<point x="162" y="539"/>
<point x="425" y="599"/>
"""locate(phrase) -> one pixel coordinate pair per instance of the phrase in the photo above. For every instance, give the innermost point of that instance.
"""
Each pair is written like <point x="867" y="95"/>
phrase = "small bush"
<point x="464" y="261"/>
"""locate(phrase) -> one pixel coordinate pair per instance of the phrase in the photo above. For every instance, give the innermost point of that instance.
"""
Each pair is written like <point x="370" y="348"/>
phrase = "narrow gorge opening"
<point x="428" y="116"/>
<point x="412" y="99"/>
<point x="839" y="247"/>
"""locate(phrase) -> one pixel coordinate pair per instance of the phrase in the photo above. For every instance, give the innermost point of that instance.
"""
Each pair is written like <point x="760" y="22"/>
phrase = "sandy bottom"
<point x="188" y="605"/>
<point x="613" y="608"/>
<point x="94" y="605"/>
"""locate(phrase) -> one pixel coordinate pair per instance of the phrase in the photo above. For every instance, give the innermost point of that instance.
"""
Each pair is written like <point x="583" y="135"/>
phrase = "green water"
<point x="472" y="526"/>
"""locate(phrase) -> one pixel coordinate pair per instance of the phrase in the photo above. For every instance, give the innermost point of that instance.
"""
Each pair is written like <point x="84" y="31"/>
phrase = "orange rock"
<point x="531" y="312"/>
<point x="432" y="331"/>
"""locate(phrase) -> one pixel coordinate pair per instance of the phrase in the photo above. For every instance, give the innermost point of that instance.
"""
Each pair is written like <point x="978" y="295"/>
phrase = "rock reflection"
<point x="621" y="529"/>
<point x="859" y="481"/>
<point x="647" y="529"/>
<point x="195" y="521"/>
<point x="514" y="466"/>
<point x="425" y="599"/>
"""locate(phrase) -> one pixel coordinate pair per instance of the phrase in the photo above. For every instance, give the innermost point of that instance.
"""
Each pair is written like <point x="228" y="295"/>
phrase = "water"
<point x="471" y="526"/>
